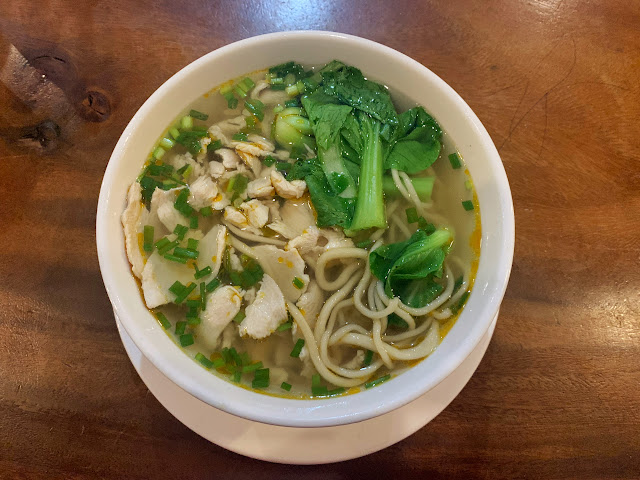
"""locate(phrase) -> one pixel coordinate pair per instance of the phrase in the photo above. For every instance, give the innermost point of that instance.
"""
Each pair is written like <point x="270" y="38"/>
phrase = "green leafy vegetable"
<point x="410" y="269"/>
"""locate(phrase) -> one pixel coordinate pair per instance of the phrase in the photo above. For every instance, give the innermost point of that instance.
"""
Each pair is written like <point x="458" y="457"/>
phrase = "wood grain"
<point x="555" y="83"/>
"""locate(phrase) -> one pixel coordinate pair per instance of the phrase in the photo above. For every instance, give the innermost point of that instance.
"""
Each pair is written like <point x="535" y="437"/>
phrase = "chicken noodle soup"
<point x="295" y="234"/>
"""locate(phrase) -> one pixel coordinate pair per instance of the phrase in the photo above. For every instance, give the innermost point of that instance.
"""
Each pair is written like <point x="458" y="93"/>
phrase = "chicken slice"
<point x="268" y="96"/>
<point x="179" y="161"/>
<point x="225" y="129"/>
<point x="162" y="202"/>
<point x="260" y="188"/>
<point x="158" y="275"/>
<point x="230" y="159"/>
<point x="235" y="217"/>
<point x="286" y="189"/>
<point x="310" y="303"/>
<point x="314" y="241"/>
<point x="222" y="305"/>
<point x="131" y="224"/>
<point x="203" y="192"/>
<point x="216" y="169"/>
<point x="211" y="249"/>
<point x="256" y="213"/>
<point x="283" y="266"/>
<point x="266" y="312"/>
<point x="251" y="161"/>
<point x="295" y="217"/>
<point x="255" y="145"/>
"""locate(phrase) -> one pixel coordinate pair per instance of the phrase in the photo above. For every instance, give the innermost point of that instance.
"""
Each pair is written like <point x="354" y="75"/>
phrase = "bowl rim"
<point x="333" y="411"/>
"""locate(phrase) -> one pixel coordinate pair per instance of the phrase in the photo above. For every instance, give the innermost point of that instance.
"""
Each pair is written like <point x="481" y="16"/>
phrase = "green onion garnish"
<point x="336" y="391"/>
<point x="269" y="160"/>
<point x="193" y="222"/>
<point x="292" y="102"/>
<point x="468" y="205"/>
<point x="206" y="363"/>
<point x="237" y="376"/>
<point x="298" y="283"/>
<point x="240" y="317"/>
<point x="177" y="288"/>
<point x="193" y="320"/>
<point x="167" y="143"/>
<point x="206" y="211"/>
<point x="175" y="258"/>
<point x="365" y="243"/>
<point x="198" y="115"/>
<point x="428" y="228"/>
<point x="368" y="357"/>
<point x="205" y="272"/>
<point x="458" y="283"/>
<point x="148" y="238"/>
<point x="456" y="308"/>
<point x="246" y="84"/>
<point x="239" y="137"/>
<point x="180" y="231"/>
<point x="317" y="389"/>
<point x="252" y="367"/>
<point x="185" y="253"/>
<point x="261" y="378"/>
<point x="203" y="296"/>
<point x="163" y="320"/>
<point x="285" y="386"/>
<point x="250" y="121"/>
<point x="213" y="146"/>
<point x="192" y="244"/>
<point x="256" y="107"/>
<point x="185" y="293"/>
<point x="186" y="122"/>
<point x="283" y="166"/>
<point x="377" y="381"/>
<point x="412" y="215"/>
<point x="180" y="326"/>
<point x="218" y="362"/>
<point x="455" y="160"/>
<point x="186" y="339"/>
<point x="167" y="246"/>
<point x="297" y="348"/>
<point x="175" y="133"/>
<point x="162" y="242"/>
<point x="285" y="326"/>
<point x="158" y="153"/>
<point x="212" y="285"/>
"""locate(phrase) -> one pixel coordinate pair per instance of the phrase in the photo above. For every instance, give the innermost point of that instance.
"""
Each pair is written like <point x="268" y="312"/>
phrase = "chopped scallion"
<point x="455" y="160"/>
<point x="159" y="152"/>
<point x="193" y="222"/>
<point x="180" y="326"/>
<point x="239" y="137"/>
<point x="212" y="285"/>
<point x="297" y="348"/>
<point x="365" y="243"/>
<point x="377" y="381"/>
<point x="185" y="293"/>
<point x="206" y="211"/>
<point x="148" y="238"/>
<point x="163" y="320"/>
<point x="252" y="367"/>
<point x="468" y="205"/>
<point x="412" y="215"/>
<point x="285" y="326"/>
<point x="186" y="122"/>
<point x="167" y="143"/>
<point x="180" y="231"/>
<point x="285" y="386"/>
<point x="368" y="357"/>
<point x="240" y="316"/>
<point x="175" y="258"/>
<point x="177" y="288"/>
<point x="205" y="272"/>
<point x="206" y="363"/>
<point x="198" y="115"/>
<point x="175" y="133"/>
<point x="298" y="283"/>
<point x="186" y="339"/>
<point x="192" y="244"/>
<point x="269" y="160"/>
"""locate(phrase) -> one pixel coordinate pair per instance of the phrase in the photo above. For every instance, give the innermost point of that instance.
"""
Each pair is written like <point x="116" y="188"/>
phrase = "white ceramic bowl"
<point x="380" y="63"/>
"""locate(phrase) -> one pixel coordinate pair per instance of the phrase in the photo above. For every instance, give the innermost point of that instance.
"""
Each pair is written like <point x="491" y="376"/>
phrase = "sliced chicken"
<point x="235" y="217"/>
<point x="255" y="145"/>
<point x="310" y="303"/>
<point x="131" y="223"/>
<point x="266" y="312"/>
<point x="224" y="130"/>
<point x="286" y="189"/>
<point x="295" y="217"/>
<point x="211" y="249"/>
<point x="230" y="159"/>
<point x="256" y="213"/>
<point x="267" y="96"/>
<point x="216" y="169"/>
<point x="203" y="192"/>
<point x="314" y="241"/>
<point x="162" y="202"/>
<point x="260" y="188"/>
<point x="222" y="305"/>
<point x="283" y="266"/>
<point x="158" y="275"/>
<point x="179" y="161"/>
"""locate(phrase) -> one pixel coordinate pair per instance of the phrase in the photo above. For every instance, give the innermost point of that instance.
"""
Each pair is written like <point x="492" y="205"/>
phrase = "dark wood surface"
<point x="556" y="83"/>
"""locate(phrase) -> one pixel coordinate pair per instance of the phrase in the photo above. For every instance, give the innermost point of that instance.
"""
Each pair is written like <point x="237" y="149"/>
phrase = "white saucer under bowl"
<point x="293" y="445"/>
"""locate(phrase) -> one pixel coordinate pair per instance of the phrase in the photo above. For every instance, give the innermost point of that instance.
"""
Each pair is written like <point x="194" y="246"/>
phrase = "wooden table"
<point x="556" y="84"/>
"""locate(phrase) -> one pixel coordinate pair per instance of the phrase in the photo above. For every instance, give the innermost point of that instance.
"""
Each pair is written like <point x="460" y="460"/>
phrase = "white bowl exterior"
<point x="381" y="63"/>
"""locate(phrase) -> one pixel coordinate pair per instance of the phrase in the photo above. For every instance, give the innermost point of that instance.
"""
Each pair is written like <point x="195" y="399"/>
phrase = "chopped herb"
<point x="159" y="152"/>
<point x="177" y="288"/>
<point x="455" y="160"/>
<point x="198" y="115"/>
<point x="206" y="211"/>
<point x="297" y="348"/>
<point x="213" y="146"/>
<point x="185" y="253"/>
<point x="163" y="320"/>
<point x="167" y="246"/>
<point x="219" y="362"/>
<point x="193" y="222"/>
<point x="246" y="84"/>
<point x="427" y="227"/>
<point x="148" y="238"/>
<point x="252" y="367"/>
<point x="456" y="308"/>
<point x="377" y="381"/>
<point x="206" y="363"/>
<point x="285" y="326"/>
<point x="283" y="166"/>
<point x="186" y="339"/>
<point x="256" y="107"/>
<point x="185" y="293"/>
<point x="240" y="316"/>
<point x="205" y="272"/>
<point x="365" y="243"/>
<point x="468" y="205"/>
<point x="412" y="215"/>
<point x="269" y="160"/>
<point x="261" y="378"/>
<point x="203" y="296"/>
<point x="175" y="258"/>
<point x="175" y="133"/>
<point x="180" y="326"/>
<point x="458" y="283"/>
<point x="212" y="285"/>
<point x="368" y="357"/>
<point x="239" y="137"/>
<point x="298" y="283"/>
<point x="180" y="231"/>
<point x="186" y="122"/>
<point x="193" y="320"/>
<point x="285" y="386"/>
<point x="192" y="244"/>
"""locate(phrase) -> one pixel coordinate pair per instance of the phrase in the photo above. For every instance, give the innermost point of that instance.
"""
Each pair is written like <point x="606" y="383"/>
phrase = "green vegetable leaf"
<point x="410" y="269"/>
<point x="414" y="144"/>
<point x="331" y="209"/>
<point x="350" y="87"/>
<point x="326" y="117"/>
